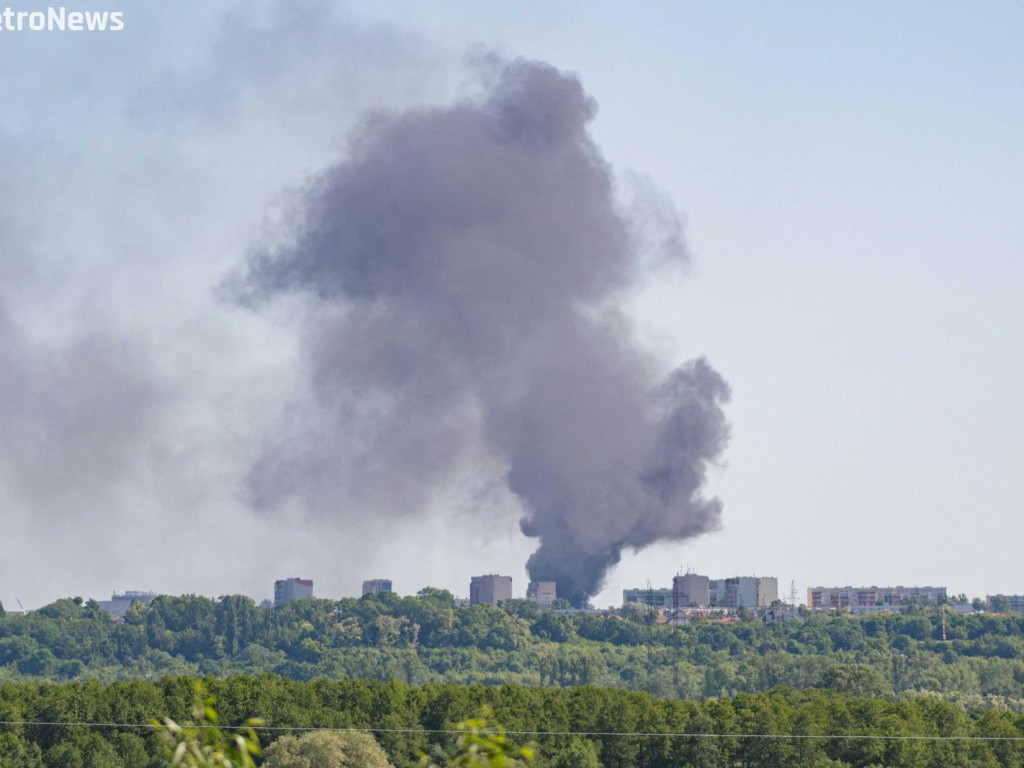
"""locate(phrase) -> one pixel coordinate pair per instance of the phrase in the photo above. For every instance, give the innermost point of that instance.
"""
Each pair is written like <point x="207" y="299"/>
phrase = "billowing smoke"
<point x="465" y="267"/>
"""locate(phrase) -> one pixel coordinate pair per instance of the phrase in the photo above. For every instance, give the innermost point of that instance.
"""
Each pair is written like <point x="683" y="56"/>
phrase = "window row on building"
<point x="692" y="590"/>
<point x="868" y="599"/>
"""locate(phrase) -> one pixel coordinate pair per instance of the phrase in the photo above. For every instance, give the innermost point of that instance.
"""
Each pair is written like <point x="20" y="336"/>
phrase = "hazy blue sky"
<point x="851" y="176"/>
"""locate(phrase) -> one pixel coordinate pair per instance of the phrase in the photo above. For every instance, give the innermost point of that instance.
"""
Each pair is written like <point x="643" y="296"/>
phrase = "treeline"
<point x="585" y="726"/>
<point x="425" y="638"/>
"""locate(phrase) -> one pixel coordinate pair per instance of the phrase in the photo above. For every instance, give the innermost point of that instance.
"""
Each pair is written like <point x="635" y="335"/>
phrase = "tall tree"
<point x="318" y="749"/>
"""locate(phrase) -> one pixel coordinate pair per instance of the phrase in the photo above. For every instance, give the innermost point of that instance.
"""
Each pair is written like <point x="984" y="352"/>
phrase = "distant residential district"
<point x="691" y="596"/>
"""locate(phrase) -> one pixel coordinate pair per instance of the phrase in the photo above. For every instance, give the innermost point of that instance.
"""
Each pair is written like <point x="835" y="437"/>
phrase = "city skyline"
<point x="666" y="593"/>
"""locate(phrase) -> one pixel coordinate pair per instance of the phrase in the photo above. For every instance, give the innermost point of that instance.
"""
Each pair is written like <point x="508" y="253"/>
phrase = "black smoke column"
<point x="465" y="266"/>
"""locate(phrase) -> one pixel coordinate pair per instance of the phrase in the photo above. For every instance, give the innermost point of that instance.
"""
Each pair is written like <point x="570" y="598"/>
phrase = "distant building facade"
<point x="744" y="591"/>
<point x="118" y="605"/>
<point x="377" y="586"/>
<point x="489" y="589"/>
<point x="294" y="588"/>
<point x="691" y="590"/>
<point x="657" y="598"/>
<point x="867" y="599"/>
<point x="542" y="592"/>
<point x="1013" y="602"/>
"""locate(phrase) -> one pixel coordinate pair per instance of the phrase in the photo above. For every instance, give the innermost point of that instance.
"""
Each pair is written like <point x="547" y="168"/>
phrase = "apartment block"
<point x="290" y="589"/>
<point x="744" y="591"/>
<point x="1013" y="602"/>
<point x="690" y="590"/>
<point x="377" y="586"/>
<point x="489" y="589"/>
<point x="658" y="598"/>
<point x="542" y="592"/>
<point x="118" y="605"/>
<point x="867" y="599"/>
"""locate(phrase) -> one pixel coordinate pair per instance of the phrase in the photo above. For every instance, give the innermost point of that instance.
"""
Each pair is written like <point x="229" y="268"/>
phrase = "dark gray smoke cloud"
<point x="465" y="266"/>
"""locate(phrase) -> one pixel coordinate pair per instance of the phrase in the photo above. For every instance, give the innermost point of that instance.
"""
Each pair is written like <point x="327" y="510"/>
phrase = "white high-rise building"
<point x="118" y="605"/>
<point x="290" y="589"/>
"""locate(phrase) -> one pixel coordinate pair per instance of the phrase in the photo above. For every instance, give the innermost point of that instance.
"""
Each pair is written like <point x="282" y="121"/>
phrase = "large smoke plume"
<point x="465" y="267"/>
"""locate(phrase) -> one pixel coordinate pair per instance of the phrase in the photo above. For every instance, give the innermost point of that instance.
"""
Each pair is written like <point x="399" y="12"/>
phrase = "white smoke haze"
<point x="436" y="335"/>
<point x="133" y="397"/>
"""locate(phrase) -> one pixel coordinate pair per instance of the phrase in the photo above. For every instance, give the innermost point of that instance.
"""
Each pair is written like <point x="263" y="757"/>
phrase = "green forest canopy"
<point x="623" y="729"/>
<point x="425" y="638"/>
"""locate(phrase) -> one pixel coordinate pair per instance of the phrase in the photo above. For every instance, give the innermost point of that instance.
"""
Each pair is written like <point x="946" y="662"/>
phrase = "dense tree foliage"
<point x="316" y="749"/>
<point x="203" y="743"/>
<point x="586" y="726"/>
<point x="425" y="638"/>
<point x="480" y="743"/>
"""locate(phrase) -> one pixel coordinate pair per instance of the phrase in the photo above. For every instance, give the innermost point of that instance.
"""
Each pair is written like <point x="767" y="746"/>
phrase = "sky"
<point x="848" y="176"/>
